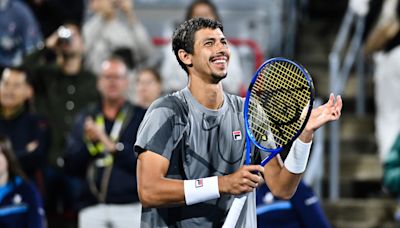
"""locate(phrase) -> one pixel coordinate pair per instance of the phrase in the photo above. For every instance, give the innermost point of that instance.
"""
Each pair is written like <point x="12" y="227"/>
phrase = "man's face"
<point x="113" y="81"/>
<point x="203" y="10"/>
<point x="14" y="90"/>
<point x="147" y="87"/>
<point x="211" y="55"/>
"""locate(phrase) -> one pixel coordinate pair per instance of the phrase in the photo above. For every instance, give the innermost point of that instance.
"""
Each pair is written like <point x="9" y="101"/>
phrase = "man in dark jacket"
<point x="62" y="87"/>
<point x="28" y="131"/>
<point x="100" y="146"/>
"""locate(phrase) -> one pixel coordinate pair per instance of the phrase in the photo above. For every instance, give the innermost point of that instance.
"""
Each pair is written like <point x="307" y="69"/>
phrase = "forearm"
<point x="280" y="181"/>
<point x="286" y="177"/>
<point x="154" y="188"/>
<point x="161" y="192"/>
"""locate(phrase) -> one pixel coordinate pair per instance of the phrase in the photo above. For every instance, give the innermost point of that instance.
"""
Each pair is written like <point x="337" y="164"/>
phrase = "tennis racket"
<point x="278" y="105"/>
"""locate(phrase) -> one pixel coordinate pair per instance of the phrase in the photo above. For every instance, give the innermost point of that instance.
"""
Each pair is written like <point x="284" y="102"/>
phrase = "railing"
<point x="339" y="70"/>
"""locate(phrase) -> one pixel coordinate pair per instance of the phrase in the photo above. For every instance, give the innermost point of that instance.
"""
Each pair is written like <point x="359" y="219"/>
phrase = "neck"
<point x="9" y="111"/>
<point x="209" y="95"/>
<point x="71" y="65"/>
<point x="3" y="178"/>
<point x="112" y="107"/>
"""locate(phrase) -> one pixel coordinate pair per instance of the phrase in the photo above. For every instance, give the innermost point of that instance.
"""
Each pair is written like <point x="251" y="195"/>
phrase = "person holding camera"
<point x="62" y="86"/>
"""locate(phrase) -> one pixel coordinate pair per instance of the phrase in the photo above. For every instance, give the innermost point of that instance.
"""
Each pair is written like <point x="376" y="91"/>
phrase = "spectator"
<point x="302" y="210"/>
<point x="148" y="87"/>
<point x="174" y="78"/>
<point x="27" y="131"/>
<point x="391" y="173"/>
<point x="62" y="87"/>
<point x="101" y="146"/>
<point x="114" y="26"/>
<point x="383" y="42"/>
<point x="20" y="203"/>
<point x="19" y="33"/>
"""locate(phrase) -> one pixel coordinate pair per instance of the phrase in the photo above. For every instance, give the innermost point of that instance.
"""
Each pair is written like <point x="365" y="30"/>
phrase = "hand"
<point x="321" y="115"/>
<point x="126" y="7"/>
<point x="92" y="131"/>
<point x="96" y="133"/>
<point x="51" y="41"/>
<point x="242" y="181"/>
<point x="30" y="147"/>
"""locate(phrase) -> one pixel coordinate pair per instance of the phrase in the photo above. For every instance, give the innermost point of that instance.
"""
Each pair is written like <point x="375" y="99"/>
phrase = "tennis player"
<point x="191" y="144"/>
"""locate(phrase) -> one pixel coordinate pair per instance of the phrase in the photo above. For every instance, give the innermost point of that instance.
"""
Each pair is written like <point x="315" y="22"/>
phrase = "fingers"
<point x="339" y="104"/>
<point x="254" y="168"/>
<point x="245" y="179"/>
<point x="335" y="110"/>
<point x="331" y="100"/>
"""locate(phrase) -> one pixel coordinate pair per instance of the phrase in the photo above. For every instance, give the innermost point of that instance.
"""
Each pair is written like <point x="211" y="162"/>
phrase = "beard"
<point x="215" y="78"/>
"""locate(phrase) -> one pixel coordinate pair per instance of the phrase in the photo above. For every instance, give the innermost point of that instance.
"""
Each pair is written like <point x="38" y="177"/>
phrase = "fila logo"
<point x="237" y="135"/>
<point x="198" y="183"/>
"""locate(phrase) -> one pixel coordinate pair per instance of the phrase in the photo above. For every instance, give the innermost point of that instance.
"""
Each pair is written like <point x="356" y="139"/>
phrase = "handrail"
<point x="339" y="72"/>
<point x="258" y="55"/>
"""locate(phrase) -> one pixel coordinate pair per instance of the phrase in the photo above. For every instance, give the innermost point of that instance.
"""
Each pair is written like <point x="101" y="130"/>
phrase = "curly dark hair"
<point x="183" y="37"/>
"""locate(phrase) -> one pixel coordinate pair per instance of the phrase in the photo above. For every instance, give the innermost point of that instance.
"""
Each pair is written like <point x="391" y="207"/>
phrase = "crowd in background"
<point x="76" y="79"/>
<point x="73" y="93"/>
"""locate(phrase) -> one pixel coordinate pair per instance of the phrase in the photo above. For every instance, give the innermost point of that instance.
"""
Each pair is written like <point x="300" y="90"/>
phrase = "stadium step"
<point x="361" y="213"/>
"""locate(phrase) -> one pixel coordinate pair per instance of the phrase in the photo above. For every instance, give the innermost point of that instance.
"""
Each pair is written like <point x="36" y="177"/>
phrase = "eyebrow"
<point x="213" y="39"/>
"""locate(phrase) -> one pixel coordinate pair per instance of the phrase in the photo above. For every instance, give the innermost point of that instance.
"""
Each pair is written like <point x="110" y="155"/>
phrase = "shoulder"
<point x="171" y="103"/>
<point x="135" y="109"/>
<point x="235" y="102"/>
<point x="167" y="111"/>
<point x="25" y="187"/>
<point x="90" y="110"/>
<point x="87" y="75"/>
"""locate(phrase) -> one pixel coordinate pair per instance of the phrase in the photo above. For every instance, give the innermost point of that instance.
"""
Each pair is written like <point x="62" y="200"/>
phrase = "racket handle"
<point x="234" y="212"/>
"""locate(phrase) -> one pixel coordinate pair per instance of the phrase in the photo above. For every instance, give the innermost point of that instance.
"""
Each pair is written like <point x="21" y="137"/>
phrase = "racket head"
<point x="278" y="105"/>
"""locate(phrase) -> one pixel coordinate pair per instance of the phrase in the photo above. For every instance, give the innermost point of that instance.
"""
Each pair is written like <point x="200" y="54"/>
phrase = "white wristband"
<point x="297" y="159"/>
<point x="201" y="190"/>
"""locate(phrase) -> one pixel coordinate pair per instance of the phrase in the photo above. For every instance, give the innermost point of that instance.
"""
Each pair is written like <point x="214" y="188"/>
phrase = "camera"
<point x="64" y="35"/>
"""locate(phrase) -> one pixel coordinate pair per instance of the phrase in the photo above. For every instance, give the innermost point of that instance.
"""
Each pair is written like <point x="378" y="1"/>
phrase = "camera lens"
<point x="64" y="34"/>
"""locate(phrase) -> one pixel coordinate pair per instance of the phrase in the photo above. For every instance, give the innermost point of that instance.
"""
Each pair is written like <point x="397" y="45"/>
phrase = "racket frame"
<point x="249" y="134"/>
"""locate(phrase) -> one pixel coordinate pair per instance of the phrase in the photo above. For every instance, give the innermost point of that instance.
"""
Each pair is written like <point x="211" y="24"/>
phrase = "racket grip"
<point x="234" y="212"/>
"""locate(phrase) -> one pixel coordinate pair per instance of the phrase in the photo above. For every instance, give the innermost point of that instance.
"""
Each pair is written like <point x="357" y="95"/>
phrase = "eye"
<point x="208" y="43"/>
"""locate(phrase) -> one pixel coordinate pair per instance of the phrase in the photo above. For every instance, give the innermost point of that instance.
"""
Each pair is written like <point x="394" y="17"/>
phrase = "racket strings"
<point x="277" y="100"/>
<point x="288" y="78"/>
<point x="261" y="123"/>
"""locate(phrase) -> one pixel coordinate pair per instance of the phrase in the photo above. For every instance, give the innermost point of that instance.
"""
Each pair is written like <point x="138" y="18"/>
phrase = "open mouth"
<point x="220" y="61"/>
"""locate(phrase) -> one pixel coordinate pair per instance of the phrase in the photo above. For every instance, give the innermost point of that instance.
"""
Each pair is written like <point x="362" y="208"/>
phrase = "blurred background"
<point x="348" y="47"/>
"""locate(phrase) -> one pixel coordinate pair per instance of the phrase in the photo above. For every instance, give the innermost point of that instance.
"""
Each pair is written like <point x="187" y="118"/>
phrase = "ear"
<point x="29" y="92"/>
<point x="185" y="57"/>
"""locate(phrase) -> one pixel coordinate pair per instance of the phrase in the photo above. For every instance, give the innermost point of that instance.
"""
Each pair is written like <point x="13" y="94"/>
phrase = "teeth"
<point x="220" y="61"/>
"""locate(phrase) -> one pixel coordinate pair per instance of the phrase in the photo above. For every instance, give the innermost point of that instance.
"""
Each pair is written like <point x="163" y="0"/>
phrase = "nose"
<point x="222" y="46"/>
